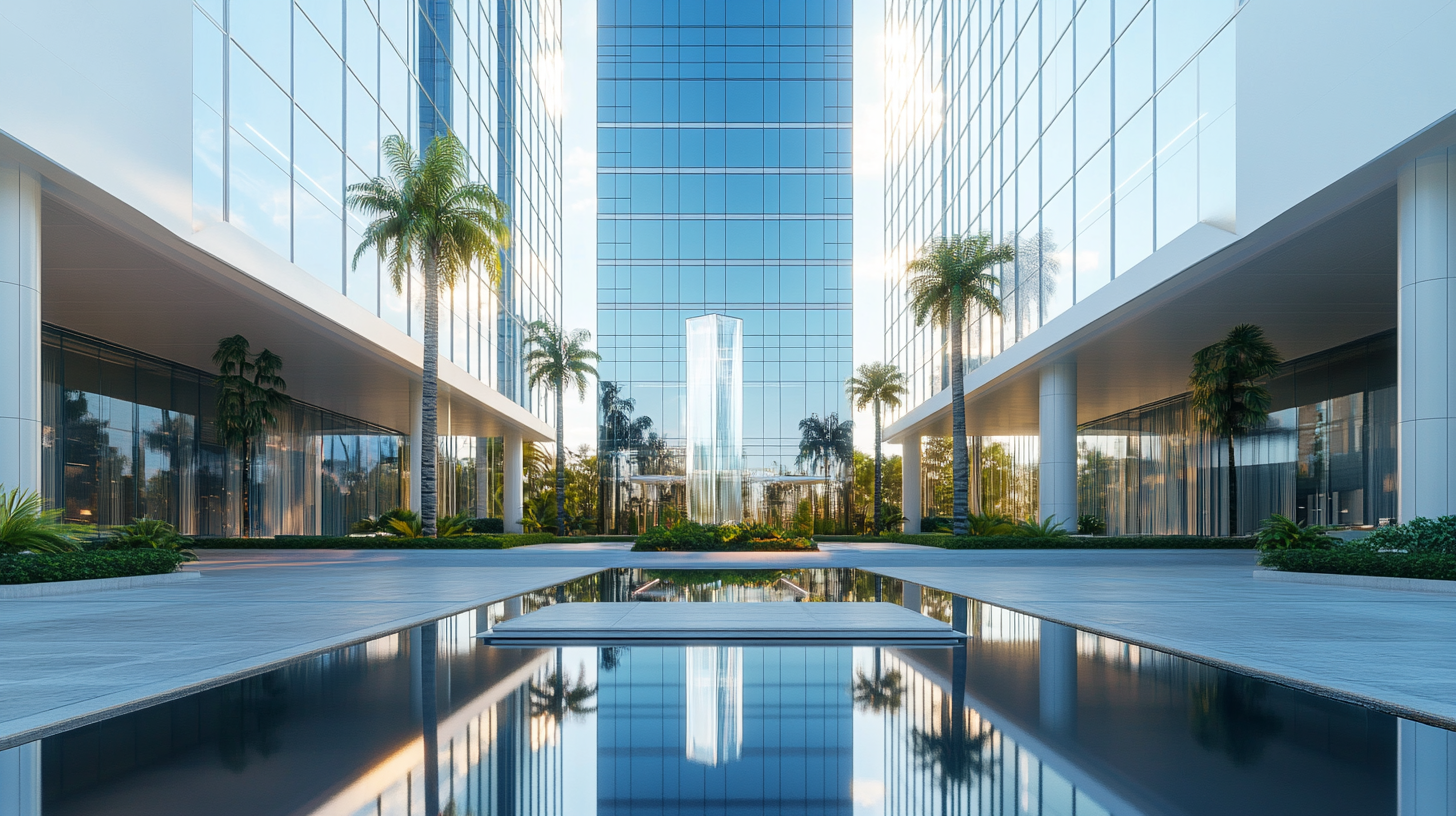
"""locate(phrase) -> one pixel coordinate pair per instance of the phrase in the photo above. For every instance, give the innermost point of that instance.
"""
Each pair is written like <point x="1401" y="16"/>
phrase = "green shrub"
<point x="1419" y="535"/>
<point x="467" y="542"/>
<point x="688" y="536"/>
<point x="1046" y="528"/>
<point x="1359" y="561"/>
<point x="148" y="533"/>
<point x="488" y="526"/>
<point x="78" y="566"/>
<point x="1016" y="542"/>
<point x="1283" y="533"/>
<point x="1088" y="524"/>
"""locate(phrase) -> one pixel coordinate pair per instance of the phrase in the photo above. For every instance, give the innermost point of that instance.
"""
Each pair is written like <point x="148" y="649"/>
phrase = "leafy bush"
<point x="1088" y="524"/>
<point x="1016" y="542"/>
<point x="386" y="522"/>
<point x="1046" y="528"/>
<point x="466" y="542"/>
<point x="1283" y="533"/>
<point x="1419" y="535"/>
<point x="488" y="526"/>
<point x="688" y="536"/>
<point x="148" y="533"/>
<point x="1359" y="561"/>
<point x="78" y="566"/>
<point x="26" y="526"/>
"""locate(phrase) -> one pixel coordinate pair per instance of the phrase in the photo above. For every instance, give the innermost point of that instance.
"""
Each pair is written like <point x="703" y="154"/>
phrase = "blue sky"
<point x="579" y="194"/>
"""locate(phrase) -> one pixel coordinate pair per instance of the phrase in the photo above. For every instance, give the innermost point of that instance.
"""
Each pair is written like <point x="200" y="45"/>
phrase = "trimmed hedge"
<point x="1059" y="542"/>
<point x="81" y="566"/>
<point x="470" y="542"/>
<point x="690" y="537"/>
<point x="1435" y="566"/>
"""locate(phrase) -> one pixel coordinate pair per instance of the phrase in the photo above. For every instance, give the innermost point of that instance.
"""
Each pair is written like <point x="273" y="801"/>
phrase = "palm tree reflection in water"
<point x="955" y="757"/>
<point x="557" y="698"/>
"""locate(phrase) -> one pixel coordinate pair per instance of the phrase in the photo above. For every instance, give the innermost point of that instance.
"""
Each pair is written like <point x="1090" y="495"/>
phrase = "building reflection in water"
<point x="715" y="704"/>
<point x="1025" y="717"/>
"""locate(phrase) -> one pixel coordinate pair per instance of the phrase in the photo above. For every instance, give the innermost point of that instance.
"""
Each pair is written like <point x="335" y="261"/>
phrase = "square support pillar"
<point x="20" y="419"/>
<point x="1426" y="320"/>
<point x="910" y="483"/>
<point x="513" y="504"/>
<point x="1057" y="477"/>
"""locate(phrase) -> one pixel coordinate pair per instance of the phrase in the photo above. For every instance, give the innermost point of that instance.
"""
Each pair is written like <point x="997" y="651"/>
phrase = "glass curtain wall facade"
<point x="292" y="101"/>
<point x="1327" y="456"/>
<point x="128" y="436"/>
<point x="1089" y="134"/>
<point x="723" y="154"/>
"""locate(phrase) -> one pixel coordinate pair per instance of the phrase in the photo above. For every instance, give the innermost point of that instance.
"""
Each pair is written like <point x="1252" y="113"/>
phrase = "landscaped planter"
<point x="82" y="566"/>
<point x="470" y="542"/>
<point x="1429" y="566"/>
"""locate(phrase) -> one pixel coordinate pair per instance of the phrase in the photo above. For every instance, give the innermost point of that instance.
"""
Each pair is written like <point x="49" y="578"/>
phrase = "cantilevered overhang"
<point x="1318" y="275"/>
<point x="111" y="272"/>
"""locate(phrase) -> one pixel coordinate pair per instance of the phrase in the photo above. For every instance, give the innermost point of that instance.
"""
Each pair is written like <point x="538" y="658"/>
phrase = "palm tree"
<point x="826" y="443"/>
<point x="559" y="698"/>
<point x="949" y="277"/>
<point x="1229" y="398"/>
<point x="883" y="692"/>
<point x="877" y="384"/>
<point x="556" y="358"/>
<point x="428" y="212"/>
<point x="249" y="392"/>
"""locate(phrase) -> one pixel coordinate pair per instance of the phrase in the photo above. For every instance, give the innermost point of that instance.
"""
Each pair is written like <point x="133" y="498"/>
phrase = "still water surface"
<point x="1027" y="718"/>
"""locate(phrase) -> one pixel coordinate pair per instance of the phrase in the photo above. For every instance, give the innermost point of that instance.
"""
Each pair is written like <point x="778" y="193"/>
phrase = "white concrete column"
<point x="910" y="483"/>
<point x="20" y="780"/>
<point x="1057" y="678"/>
<point x="1426" y="756"/>
<point x="20" y="418"/>
<point x="416" y="446"/>
<point x="1426" y="258"/>
<point x="1057" y="479"/>
<point x="515" y="466"/>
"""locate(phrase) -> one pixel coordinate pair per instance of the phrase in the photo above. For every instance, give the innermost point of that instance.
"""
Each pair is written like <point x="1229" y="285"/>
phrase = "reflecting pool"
<point x="1027" y="717"/>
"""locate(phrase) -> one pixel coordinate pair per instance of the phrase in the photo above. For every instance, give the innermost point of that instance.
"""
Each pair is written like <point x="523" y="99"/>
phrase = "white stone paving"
<point x="859" y="622"/>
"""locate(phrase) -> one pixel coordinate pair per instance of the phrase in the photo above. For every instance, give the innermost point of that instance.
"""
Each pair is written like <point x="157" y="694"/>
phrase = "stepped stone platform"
<point x="639" y="622"/>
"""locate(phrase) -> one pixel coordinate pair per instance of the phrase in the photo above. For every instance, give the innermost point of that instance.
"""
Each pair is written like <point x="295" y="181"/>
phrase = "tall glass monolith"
<point x="715" y="419"/>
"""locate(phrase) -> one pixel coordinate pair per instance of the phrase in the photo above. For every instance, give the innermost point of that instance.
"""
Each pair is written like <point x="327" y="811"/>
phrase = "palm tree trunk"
<point x="560" y="461"/>
<point x="429" y="399"/>
<point x="878" y="474"/>
<point x="1233" y="490"/>
<point x="247" y="487"/>
<point x="961" y="466"/>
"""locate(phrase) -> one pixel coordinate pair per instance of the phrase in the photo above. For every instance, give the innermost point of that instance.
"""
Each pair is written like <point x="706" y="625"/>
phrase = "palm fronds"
<point x="26" y="526"/>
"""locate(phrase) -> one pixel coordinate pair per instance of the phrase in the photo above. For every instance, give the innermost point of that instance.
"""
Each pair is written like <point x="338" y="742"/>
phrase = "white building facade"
<point x="173" y="173"/>
<point x="1168" y="169"/>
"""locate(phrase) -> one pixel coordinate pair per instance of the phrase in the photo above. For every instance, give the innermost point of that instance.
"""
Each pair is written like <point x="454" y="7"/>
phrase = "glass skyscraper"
<point x="723" y="186"/>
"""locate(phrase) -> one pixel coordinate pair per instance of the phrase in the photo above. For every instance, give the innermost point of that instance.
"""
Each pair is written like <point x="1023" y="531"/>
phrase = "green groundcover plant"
<point x="77" y="566"/>
<point x="1065" y="542"/>
<point x="1360" y="561"/>
<point x="382" y="542"/>
<point x="688" y="536"/>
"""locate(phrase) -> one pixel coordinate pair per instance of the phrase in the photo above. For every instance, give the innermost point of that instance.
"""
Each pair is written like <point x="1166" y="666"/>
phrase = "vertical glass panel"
<point x="1094" y="112"/>
<point x="1094" y="224"/>
<point x="362" y="139"/>
<point x="1217" y="167"/>
<point x="207" y="163"/>
<point x="1056" y="255"/>
<point x="1133" y="59"/>
<point x="1177" y="107"/>
<point x="1094" y="35"/>
<point x="208" y="49"/>
<point x="258" y="196"/>
<point x="1133" y="225"/>
<point x="318" y="85"/>
<point x="363" y="43"/>
<point x="318" y="237"/>
<point x="328" y="17"/>
<point x="318" y="164"/>
<point x="259" y="110"/>
<point x="262" y="28"/>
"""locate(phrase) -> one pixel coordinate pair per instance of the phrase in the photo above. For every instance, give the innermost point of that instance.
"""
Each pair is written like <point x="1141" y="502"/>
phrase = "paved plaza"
<point x="75" y="659"/>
